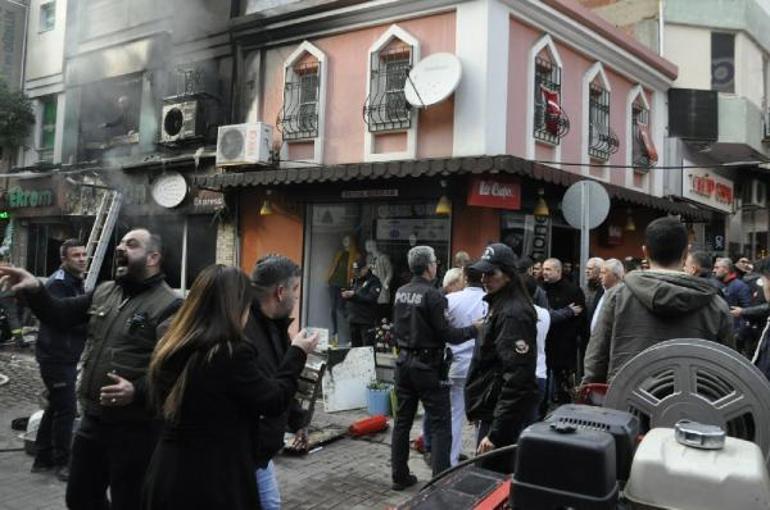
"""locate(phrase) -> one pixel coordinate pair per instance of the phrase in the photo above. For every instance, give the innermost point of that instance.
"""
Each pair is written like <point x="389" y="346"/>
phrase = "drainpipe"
<point x="661" y="27"/>
<point x="20" y="152"/>
<point x="23" y="42"/>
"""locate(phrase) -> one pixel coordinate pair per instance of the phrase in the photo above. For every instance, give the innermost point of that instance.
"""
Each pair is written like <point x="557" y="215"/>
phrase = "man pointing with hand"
<point x="117" y="434"/>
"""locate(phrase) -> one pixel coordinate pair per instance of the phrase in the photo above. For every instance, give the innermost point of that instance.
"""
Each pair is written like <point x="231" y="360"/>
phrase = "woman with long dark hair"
<point x="501" y="392"/>
<point x="205" y="383"/>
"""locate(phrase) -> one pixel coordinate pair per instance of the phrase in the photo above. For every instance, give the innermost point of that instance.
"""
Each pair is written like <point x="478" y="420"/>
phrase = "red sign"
<point x="497" y="193"/>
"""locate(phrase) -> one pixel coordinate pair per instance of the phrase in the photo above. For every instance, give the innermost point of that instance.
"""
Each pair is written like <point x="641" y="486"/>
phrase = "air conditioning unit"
<point x="754" y="194"/>
<point x="182" y="120"/>
<point x="244" y="144"/>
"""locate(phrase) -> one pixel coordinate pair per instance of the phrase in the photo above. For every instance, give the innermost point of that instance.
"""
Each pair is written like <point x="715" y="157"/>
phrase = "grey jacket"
<point x="650" y="307"/>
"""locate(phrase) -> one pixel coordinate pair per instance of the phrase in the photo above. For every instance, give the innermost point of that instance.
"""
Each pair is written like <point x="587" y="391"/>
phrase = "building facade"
<point x="718" y="109"/>
<point x="549" y="94"/>
<point x="128" y="96"/>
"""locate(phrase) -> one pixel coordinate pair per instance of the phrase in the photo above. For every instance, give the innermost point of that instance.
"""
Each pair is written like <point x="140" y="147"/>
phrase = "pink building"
<point x="549" y="94"/>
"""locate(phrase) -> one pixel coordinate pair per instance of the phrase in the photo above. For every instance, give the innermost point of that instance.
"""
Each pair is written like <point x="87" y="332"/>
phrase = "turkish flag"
<point x="646" y="139"/>
<point x="552" y="110"/>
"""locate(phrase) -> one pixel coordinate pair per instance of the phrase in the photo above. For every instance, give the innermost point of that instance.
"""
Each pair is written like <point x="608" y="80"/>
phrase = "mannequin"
<point x="382" y="269"/>
<point x="339" y="277"/>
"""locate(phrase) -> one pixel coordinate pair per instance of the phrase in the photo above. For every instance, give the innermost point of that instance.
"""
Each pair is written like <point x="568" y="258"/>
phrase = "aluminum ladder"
<point x="104" y="225"/>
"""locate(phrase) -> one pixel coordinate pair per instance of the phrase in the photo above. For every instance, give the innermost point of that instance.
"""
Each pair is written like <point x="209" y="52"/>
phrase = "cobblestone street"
<point x="348" y="473"/>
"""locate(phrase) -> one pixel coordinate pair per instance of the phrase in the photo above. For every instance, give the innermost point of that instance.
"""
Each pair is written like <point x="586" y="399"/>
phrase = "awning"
<point x="437" y="167"/>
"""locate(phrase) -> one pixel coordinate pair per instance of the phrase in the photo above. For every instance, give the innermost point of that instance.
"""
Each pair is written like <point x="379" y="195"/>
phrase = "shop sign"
<point x="208" y="201"/>
<point x="540" y="235"/>
<point x="705" y="187"/>
<point x="497" y="193"/>
<point x="17" y="198"/>
<point x="417" y="229"/>
<point x="370" y="193"/>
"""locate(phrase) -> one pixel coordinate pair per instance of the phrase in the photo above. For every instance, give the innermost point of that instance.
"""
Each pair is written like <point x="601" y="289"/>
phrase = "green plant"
<point x="378" y="385"/>
<point x="16" y="116"/>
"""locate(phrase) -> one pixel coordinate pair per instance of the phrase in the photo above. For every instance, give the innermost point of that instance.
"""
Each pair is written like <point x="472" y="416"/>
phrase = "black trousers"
<point x="417" y="381"/>
<point x="114" y="455"/>
<point x="504" y="462"/>
<point x="361" y="335"/>
<point x="54" y="436"/>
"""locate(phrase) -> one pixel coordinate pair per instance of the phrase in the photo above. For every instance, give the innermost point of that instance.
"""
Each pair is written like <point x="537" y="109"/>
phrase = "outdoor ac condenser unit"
<point x="181" y="121"/>
<point x="755" y="194"/>
<point x="244" y="144"/>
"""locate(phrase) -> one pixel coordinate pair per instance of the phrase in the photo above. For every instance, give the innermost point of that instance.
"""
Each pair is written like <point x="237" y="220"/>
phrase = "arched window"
<point x="600" y="139"/>
<point x="644" y="154"/>
<point x="547" y="122"/>
<point x="302" y="115"/>
<point x="386" y="111"/>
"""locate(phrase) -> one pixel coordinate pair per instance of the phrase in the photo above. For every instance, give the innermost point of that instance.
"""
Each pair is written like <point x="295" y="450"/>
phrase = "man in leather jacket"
<point x="118" y="432"/>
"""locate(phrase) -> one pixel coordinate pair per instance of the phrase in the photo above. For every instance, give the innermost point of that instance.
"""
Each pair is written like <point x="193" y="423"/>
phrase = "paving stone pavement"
<point x="349" y="473"/>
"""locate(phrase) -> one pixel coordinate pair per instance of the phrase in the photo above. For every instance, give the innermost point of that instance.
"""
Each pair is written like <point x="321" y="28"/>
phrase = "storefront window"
<point x="337" y="233"/>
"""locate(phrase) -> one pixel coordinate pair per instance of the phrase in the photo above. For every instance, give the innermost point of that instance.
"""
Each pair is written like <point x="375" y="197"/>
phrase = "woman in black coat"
<point x="501" y="391"/>
<point x="205" y="382"/>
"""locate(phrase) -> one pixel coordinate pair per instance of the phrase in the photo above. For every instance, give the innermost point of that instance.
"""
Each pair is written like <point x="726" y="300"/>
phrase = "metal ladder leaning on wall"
<point x="104" y="225"/>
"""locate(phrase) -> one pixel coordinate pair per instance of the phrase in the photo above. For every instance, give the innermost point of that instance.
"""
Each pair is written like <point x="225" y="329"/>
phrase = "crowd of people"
<point x="185" y="402"/>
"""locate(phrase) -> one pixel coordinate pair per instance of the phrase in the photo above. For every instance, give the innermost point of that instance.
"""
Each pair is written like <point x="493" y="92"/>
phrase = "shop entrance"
<point x="337" y="233"/>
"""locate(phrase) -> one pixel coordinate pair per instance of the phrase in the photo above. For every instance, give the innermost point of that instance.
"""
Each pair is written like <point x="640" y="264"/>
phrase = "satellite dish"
<point x="433" y="79"/>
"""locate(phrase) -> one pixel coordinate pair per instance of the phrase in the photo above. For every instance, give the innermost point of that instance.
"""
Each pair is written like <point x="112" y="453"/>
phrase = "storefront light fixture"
<point x="444" y="206"/>
<point x="541" y="208"/>
<point x="267" y="208"/>
<point x="630" y="225"/>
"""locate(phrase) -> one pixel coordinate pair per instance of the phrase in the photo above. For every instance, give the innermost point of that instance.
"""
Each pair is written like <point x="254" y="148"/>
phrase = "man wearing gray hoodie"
<point x="652" y="306"/>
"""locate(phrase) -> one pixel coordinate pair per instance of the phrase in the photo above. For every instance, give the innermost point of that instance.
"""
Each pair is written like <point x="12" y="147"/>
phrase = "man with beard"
<point x="117" y="434"/>
<point x="562" y="343"/>
<point x="57" y="352"/>
<point x="276" y="282"/>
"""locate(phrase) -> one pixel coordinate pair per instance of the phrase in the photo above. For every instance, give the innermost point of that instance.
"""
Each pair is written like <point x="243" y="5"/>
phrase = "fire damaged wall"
<point x="127" y="59"/>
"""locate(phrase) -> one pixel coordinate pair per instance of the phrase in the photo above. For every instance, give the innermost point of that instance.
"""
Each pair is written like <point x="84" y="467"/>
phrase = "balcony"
<point x="741" y="130"/>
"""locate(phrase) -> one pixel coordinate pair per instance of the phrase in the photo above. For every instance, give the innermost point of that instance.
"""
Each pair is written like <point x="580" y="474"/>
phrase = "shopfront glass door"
<point x="338" y="233"/>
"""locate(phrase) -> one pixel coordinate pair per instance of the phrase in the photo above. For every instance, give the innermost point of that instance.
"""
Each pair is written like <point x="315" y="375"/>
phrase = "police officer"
<point x="421" y="330"/>
<point x="361" y="303"/>
<point x="501" y="392"/>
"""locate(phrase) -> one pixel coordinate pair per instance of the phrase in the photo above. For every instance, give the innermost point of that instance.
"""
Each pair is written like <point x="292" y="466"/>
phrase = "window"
<point x="644" y="153"/>
<point x="723" y="62"/>
<point x="299" y="116"/>
<point x="47" y="16"/>
<point x="551" y="121"/>
<point x="384" y="231"/>
<point x="602" y="140"/>
<point x="47" y="129"/>
<point x="386" y="108"/>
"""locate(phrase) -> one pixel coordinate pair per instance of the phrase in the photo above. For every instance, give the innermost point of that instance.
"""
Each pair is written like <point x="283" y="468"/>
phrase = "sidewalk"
<point x="346" y="474"/>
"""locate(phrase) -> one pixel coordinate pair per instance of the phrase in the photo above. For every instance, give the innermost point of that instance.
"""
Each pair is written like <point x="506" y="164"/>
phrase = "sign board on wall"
<point x="527" y="234"/>
<point x="703" y="186"/>
<point x="423" y="229"/>
<point x="497" y="193"/>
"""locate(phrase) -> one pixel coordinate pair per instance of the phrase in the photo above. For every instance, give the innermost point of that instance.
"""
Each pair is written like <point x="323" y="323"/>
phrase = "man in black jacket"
<point x="276" y="282"/>
<point x="362" y="304"/>
<point x="58" y="352"/>
<point x="118" y="432"/>
<point x="561" y="346"/>
<point x="421" y="330"/>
